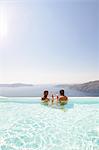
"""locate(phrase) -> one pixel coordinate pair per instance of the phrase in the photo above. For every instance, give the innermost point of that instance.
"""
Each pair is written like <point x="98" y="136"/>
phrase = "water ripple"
<point x="37" y="127"/>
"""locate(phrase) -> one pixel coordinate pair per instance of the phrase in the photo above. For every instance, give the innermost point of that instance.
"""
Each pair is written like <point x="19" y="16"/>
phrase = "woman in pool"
<point x="45" y="97"/>
<point x="62" y="98"/>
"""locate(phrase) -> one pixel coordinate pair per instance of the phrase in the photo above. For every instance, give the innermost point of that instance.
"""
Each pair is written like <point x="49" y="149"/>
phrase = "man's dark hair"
<point x="62" y="92"/>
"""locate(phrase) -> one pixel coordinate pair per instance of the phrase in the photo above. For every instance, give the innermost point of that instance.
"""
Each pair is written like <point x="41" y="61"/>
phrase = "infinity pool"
<point x="26" y="124"/>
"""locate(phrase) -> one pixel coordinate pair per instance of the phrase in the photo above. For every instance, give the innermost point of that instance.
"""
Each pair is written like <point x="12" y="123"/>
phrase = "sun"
<point x="3" y="24"/>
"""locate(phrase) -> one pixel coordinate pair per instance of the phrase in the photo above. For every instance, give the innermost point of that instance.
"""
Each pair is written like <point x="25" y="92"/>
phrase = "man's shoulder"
<point x="63" y="98"/>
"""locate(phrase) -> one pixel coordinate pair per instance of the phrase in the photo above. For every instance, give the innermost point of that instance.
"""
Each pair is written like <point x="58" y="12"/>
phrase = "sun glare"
<point x="3" y="24"/>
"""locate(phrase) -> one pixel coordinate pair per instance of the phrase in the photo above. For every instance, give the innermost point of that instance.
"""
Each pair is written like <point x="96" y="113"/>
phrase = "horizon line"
<point x="50" y="83"/>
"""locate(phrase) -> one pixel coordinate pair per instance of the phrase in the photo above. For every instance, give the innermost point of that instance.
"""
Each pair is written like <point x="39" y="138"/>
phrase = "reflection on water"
<point x="35" y="126"/>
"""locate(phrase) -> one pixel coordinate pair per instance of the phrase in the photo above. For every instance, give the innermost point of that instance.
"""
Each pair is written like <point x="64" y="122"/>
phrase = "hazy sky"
<point x="49" y="41"/>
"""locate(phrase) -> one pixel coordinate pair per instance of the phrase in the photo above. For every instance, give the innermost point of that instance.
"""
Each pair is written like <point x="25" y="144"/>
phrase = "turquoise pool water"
<point x="26" y="124"/>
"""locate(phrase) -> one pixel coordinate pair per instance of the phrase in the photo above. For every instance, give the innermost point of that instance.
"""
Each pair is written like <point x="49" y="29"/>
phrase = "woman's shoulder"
<point x="44" y="99"/>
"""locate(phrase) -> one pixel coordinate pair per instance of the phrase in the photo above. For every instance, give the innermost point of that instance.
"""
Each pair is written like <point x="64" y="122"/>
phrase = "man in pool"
<point x="62" y="98"/>
<point x="45" y="96"/>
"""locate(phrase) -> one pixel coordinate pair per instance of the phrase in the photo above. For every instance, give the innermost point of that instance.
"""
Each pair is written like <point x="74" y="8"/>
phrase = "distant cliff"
<point x="91" y="88"/>
<point x="18" y="89"/>
<point x="15" y="85"/>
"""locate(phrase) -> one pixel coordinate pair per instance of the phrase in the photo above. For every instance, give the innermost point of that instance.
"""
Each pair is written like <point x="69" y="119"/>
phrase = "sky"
<point x="49" y="41"/>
